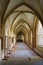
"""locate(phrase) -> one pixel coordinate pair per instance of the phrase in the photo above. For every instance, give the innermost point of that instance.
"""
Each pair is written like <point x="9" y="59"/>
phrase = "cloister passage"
<point x="23" y="53"/>
<point x="21" y="31"/>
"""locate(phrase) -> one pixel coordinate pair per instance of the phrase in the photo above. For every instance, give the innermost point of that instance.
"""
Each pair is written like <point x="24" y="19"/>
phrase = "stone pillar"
<point x="0" y="37"/>
<point x="6" y="41"/>
<point x="34" y="33"/>
<point x="34" y="39"/>
<point x="29" y="37"/>
<point x="14" y="41"/>
<point x="0" y="49"/>
<point x="4" y="46"/>
<point x="26" y="38"/>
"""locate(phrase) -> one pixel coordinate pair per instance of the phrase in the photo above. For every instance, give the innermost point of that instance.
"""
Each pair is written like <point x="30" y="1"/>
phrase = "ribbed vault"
<point x="21" y="22"/>
<point x="9" y="7"/>
<point x="21" y="28"/>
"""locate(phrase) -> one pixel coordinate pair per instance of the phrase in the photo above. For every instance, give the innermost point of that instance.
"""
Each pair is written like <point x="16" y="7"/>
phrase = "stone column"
<point x="0" y="49"/>
<point x="34" y="39"/>
<point x="26" y="38"/>
<point x="4" y="45"/>
<point x="6" y="41"/>
<point x="14" y="41"/>
<point x="29" y="37"/>
<point x="0" y="37"/>
<point x="34" y="33"/>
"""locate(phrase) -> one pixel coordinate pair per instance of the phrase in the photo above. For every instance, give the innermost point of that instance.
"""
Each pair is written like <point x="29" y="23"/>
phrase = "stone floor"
<point x="22" y="51"/>
<point x="22" y="55"/>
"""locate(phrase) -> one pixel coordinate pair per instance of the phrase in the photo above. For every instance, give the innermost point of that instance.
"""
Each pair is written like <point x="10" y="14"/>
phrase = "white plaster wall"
<point x="39" y="35"/>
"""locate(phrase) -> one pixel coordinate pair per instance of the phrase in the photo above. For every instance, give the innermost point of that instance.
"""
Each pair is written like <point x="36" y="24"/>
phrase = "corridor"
<point x="23" y="53"/>
<point x="21" y="32"/>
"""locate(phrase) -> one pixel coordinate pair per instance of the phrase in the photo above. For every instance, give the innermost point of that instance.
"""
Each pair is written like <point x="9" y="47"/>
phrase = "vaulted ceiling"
<point x="8" y="6"/>
<point x="12" y="11"/>
<point x="21" y="15"/>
